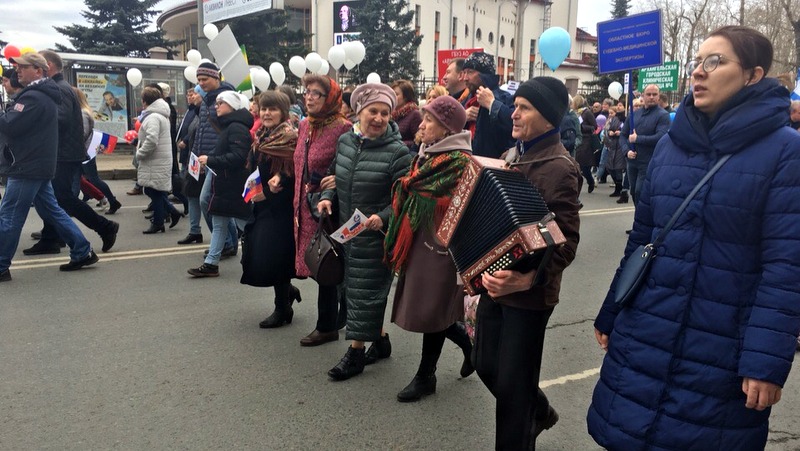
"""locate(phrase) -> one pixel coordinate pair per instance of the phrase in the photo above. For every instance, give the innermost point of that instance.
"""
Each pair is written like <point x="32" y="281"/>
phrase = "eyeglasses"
<point x="314" y="94"/>
<point x="709" y="63"/>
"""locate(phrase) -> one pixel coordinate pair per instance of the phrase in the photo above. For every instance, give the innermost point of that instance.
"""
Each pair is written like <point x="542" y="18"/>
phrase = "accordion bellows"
<point x="497" y="220"/>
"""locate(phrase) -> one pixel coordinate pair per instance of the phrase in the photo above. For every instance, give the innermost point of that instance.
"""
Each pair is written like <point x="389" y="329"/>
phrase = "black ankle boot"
<point x="281" y="315"/>
<point x="623" y="198"/>
<point x="379" y="349"/>
<point x="352" y="364"/>
<point x="420" y="386"/>
<point x="294" y="295"/>
<point x="457" y="333"/>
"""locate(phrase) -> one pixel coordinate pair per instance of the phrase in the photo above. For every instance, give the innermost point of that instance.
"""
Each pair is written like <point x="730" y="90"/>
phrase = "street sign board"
<point x="444" y="57"/>
<point x="630" y="43"/>
<point x="665" y="77"/>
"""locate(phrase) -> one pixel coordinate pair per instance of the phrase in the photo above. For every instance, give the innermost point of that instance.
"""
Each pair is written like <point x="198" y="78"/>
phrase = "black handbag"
<point x="325" y="257"/>
<point x="638" y="264"/>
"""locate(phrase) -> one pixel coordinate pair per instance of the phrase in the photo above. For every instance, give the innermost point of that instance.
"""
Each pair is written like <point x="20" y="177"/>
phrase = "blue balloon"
<point x="672" y="116"/>
<point x="554" y="46"/>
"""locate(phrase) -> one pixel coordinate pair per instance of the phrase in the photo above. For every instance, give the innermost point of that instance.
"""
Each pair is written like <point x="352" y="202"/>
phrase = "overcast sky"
<point x="23" y="25"/>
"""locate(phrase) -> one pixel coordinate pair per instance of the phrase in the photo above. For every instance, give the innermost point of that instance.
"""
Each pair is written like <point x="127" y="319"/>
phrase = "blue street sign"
<point x="629" y="43"/>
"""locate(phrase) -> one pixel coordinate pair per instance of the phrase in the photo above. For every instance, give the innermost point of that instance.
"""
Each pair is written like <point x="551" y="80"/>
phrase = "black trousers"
<point x="66" y="186"/>
<point x="327" y="308"/>
<point x="508" y="357"/>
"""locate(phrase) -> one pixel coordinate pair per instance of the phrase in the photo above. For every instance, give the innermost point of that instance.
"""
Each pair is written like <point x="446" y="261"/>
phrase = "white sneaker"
<point x="103" y="204"/>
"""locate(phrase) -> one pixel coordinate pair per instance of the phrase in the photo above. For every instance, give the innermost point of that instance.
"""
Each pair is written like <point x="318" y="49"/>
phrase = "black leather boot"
<point x="379" y="349"/>
<point x="424" y="382"/>
<point x="283" y="313"/>
<point x="623" y="198"/>
<point x="352" y="364"/>
<point x="457" y="333"/>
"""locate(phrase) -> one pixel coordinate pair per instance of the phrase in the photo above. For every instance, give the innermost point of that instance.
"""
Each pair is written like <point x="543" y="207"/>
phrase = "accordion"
<point x="497" y="220"/>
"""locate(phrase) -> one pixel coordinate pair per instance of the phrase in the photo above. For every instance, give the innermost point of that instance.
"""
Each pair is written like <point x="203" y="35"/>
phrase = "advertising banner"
<point x="629" y="43"/>
<point x="444" y="57"/>
<point x="217" y="10"/>
<point x="665" y="77"/>
<point x="106" y="93"/>
<point x="346" y="26"/>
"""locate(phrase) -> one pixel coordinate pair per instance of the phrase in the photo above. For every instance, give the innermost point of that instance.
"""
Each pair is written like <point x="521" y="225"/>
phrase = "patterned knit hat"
<point x="208" y="70"/>
<point x="481" y="62"/>
<point x="448" y="111"/>
<point x="548" y="95"/>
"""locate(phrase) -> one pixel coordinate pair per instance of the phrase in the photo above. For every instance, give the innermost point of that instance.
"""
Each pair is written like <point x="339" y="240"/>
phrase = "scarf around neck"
<point x="420" y="199"/>
<point x="278" y="145"/>
<point x="403" y="111"/>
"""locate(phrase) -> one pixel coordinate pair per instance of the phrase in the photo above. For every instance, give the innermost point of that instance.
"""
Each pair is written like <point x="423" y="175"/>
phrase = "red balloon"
<point x="11" y="51"/>
<point x="136" y="125"/>
<point x="131" y="135"/>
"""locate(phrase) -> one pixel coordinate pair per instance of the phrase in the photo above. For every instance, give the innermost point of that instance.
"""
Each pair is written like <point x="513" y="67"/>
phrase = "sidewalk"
<point x="118" y="165"/>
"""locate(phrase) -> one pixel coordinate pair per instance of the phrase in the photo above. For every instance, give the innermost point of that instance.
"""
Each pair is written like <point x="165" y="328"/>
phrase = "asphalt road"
<point x="133" y="354"/>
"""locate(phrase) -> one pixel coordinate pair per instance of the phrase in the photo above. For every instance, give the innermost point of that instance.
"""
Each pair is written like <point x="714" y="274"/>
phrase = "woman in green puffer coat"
<point x="369" y="159"/>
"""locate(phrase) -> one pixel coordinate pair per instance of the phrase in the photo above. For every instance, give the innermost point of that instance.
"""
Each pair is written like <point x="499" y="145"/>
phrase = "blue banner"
<point x="629" y="43"/>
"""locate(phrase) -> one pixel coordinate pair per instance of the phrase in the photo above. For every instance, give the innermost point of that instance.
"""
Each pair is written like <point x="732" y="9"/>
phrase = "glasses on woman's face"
<point x="709" y="63"/>
<point x="313" y="94"/>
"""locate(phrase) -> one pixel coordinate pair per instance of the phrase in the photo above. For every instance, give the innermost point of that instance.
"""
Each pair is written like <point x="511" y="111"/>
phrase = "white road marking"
<point x="570" y="378"/>
<point x="116" y="256"/>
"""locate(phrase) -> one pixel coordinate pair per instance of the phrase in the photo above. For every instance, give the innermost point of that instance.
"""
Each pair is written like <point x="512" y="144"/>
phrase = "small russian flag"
<point x="252" y="186"/>
<point x="101" y="143"/>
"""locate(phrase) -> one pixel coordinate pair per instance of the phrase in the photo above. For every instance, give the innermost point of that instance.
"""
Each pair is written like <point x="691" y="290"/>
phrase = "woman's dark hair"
<point x="407" y="89"/>
<point x="275" y="99"/>
<point x="751" y="47"/>
<point x="289" y="91"/>
<point x="321" y="80"/>
<point x="150" y="95"/>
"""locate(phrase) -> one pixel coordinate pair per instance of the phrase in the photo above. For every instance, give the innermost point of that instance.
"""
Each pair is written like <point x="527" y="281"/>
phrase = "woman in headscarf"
<point x="316" y="147"/>
<point x="268" y="241"/>
<point x="429" y="298"/>
<point x="368" y="161"/>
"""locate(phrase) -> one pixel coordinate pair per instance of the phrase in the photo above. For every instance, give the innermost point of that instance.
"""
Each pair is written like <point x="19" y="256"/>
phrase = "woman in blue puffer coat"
<point x="699" y="356"/>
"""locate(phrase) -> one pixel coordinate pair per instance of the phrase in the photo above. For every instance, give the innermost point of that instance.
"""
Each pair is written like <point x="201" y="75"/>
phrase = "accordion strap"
<point x="551" y="246"/>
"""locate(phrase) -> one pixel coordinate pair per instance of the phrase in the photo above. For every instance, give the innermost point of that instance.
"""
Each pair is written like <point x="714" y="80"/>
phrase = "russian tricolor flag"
<point x="101" y="143"/>
<point x="252" y="186"/>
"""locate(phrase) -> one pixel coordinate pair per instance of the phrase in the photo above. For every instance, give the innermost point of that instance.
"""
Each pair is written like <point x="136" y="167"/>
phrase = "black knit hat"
<point x="209" y="70"/>
<point x="481" y="62"/>
<point x="548" y="95"/>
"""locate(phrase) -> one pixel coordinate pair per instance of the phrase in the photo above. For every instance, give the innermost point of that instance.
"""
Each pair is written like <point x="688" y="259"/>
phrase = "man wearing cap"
<point x="512" y="316"/>
<point x="205" y="139"/>
<point x="489" y="107"/>
<point x="31" y="131"/>
<point x="71" y="153"/>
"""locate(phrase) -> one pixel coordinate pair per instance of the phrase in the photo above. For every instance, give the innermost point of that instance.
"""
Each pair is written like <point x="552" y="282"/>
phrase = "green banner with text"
<point x="665" y="77"/>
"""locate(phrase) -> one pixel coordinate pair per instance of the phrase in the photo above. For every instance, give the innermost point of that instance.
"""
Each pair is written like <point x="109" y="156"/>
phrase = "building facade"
<point x="506" y="29"/>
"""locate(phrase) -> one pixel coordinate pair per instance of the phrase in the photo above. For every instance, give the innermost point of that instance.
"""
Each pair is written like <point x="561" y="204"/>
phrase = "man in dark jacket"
<point x="453" y="81"/>
<point x="489" y="109"/>
<point x="205" y="140"/>
<point x="513" y="315"/>
<point x="30" y="130"/>
<point x="650" y="123"/>
<point x="71" y="153"/>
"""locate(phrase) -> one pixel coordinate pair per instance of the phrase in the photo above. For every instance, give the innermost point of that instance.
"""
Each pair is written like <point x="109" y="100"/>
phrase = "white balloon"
<point x="260" y="79"/>
<point x="248" y="94"/>
<point x="336" y="56"/>
<point x="298" y="66"/>
<point x="349" y="50"/>
<point x="615" y="90"/>
<point x="190" y="73"/>
<point x="313" y="62"/>
<point x="279" y="78"/>
<point x="324" y="68"/>
<point x="205" y="60"/>
<point x="349" y="64"/>
<point x="360" y="52"/>
<point x="193" y="57"/>
<point x="373" y="78"/>
<point x="134" y="76"/>
<point x="210" y="31"/>
<point x="276" y="69"/>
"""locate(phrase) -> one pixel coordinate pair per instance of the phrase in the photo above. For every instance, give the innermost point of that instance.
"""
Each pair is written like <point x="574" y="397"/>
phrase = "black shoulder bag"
<point x="638" y="264"/>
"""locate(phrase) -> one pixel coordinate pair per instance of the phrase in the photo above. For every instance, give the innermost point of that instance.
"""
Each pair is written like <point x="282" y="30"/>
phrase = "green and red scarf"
<point x="420" y="199"/>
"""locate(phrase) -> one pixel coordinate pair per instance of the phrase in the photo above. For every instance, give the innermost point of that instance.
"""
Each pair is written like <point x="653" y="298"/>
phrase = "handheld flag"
<point x="252" y="186"/>
<point x="194" y="166"/>
<point x="101" y="143"/>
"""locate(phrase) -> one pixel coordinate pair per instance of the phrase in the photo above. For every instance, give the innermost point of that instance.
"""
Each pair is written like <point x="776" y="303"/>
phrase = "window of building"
<point x="512" y="43"/>
<point x="478" y="34"/>
<point x="466" y="31"/>
<point x="437" y="18"/>
<point x="502" y="41"/>
<point x="491" y="38"/>
<point x="417" y="16"/>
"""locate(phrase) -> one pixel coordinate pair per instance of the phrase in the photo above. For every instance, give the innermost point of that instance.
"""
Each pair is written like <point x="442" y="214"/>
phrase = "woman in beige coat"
<point x="428" y="298"/>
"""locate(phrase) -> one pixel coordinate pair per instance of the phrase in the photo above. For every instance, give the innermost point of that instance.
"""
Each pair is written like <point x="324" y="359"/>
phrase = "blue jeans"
<point x="194" y="216"/>
<point x="637" y="171"/>
<point x="219" y="238"/>
<point x="601" y="169"/>
<point x="14" y="208"/>
<point x="205" y="201"/>
<point x="90" y="171"/>
<point x="161" y="205"/>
